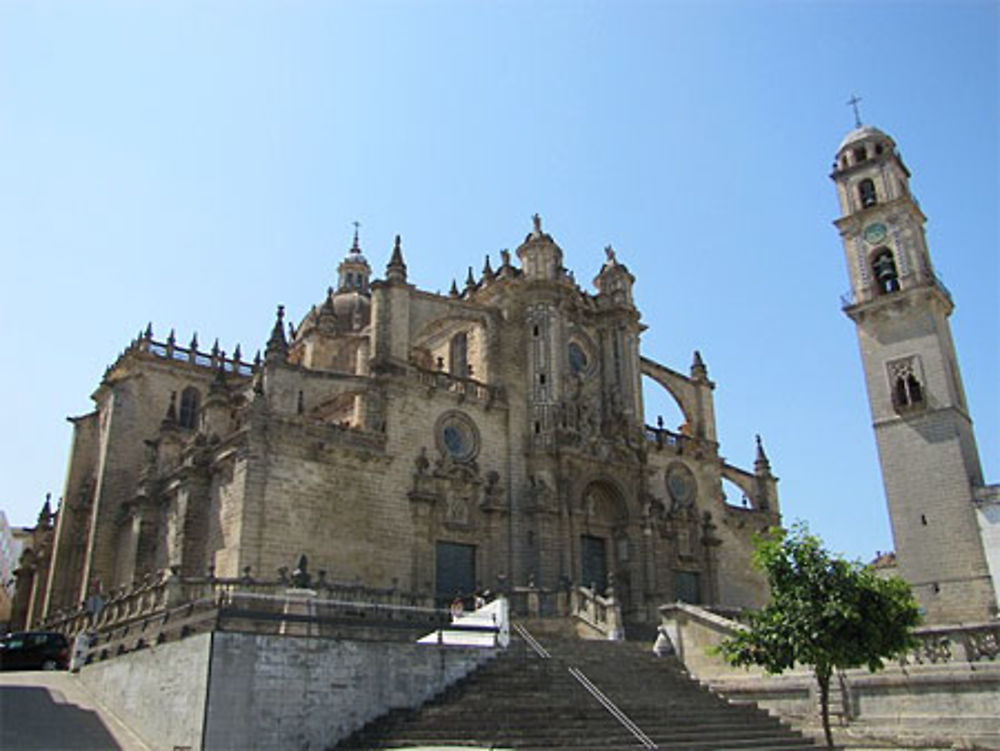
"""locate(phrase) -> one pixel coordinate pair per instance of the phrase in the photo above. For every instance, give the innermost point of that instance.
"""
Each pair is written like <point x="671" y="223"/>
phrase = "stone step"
<point x="521" y="701"/>
<point x="774" y="736"/>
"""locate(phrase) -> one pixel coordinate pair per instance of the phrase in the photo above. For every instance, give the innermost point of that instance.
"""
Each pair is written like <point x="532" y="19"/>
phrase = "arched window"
<point x="907" y="393"/>
<point x="190" y="399"/>
<point x="860" y="154"/>
<point x="866" y="192"/>
<point x="577" y="358"/>
<point x="458" y="355"/>
<point x="913" y="386"/>
<point x="899" y="394"/>
<point x="884" y="268"/>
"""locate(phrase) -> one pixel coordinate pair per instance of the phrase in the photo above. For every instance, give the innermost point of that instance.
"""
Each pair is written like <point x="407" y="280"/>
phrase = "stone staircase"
<point x="525" y="700"/>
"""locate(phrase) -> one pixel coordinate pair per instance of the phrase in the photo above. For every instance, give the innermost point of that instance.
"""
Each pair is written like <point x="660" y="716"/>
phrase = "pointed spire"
<point x="149" y="330"/>
<point x="277" y="346"/>
<point x="698" y="370"/>
<point x="170" y="419"/>
<point x="396" y="270"/>
<point x="171" y="339"/>
<point x="194" y="342"/>
<point x="355" y="246"/>
<point x="487" y="269"/>
<point x="45" y="515"/>
<point x="219" y="382"/>
<point x="761" y="465"/>
<point x="215" y="348"/>
<point x="453" y="292"/>
<point x="470" y="281"/>
<point x="256" y="361"/>
<point x="326" y="310"/>
<point x="237" y="355"/>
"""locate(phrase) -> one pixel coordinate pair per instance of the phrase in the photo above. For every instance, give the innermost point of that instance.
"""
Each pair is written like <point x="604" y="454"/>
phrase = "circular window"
<point x="681" y="485"/>
<point x="577" y="358"/>
<point x="457" y="436"/>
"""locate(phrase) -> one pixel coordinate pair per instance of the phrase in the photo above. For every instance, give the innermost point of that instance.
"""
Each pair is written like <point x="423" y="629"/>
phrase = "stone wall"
<point x="158" y="692"/>
<point x="227" y="691"/>
<point x="282" y="693"/>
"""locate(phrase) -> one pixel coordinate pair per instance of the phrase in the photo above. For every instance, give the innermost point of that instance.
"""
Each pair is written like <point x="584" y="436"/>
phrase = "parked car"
<point x="34" y="650"/>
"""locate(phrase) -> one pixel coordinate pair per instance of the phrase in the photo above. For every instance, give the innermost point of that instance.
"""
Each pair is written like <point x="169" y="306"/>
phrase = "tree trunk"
<point x="823" y="678"/>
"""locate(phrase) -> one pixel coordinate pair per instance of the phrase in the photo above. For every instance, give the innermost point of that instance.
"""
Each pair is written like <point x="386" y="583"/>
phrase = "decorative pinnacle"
<point x="170" y="419"/>
<point x="698" y="369"/>
<point x="487" y="269"/>
<point x="355" y="247"/>
<point x="454" y="289"/>
<point x="219" y="382"/>
<point x="46" y="513"/>
<point x="536" y="220"/>
<point x="277" y="346"/>
<point x="761" y="465"/>
<point x="470" y="280"/>
<point x="853" y="102"/>
<point x="396" y="270"/>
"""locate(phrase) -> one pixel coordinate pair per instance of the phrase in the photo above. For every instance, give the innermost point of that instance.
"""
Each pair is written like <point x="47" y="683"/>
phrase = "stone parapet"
<point x="945" y="691"/>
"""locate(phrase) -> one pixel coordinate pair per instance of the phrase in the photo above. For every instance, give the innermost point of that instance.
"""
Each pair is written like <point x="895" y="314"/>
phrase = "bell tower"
<point x="927" y="449"/>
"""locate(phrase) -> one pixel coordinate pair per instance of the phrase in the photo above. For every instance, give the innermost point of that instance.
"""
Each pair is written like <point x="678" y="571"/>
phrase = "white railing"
<point x="488" y="626"/>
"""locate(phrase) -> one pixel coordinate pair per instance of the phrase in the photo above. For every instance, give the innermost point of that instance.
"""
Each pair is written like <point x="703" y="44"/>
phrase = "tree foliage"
<point x="824" y="612"/>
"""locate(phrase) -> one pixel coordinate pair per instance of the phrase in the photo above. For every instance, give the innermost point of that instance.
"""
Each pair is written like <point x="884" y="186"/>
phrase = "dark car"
<point x="34" y="650"/>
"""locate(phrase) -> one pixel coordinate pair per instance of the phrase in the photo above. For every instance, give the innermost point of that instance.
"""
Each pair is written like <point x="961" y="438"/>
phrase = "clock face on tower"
<point x="874" y="233"/>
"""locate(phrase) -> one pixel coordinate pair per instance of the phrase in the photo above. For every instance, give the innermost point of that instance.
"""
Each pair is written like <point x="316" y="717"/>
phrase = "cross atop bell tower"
<point x="927" y="449"/>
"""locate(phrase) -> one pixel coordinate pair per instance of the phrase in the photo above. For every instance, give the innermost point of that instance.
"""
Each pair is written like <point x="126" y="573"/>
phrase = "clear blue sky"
<point x="194" y="164"/>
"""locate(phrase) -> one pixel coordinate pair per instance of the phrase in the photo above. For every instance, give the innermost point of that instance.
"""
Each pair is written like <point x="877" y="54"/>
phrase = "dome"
<point x="865" y="132"/>
<point x="355" y="256"/>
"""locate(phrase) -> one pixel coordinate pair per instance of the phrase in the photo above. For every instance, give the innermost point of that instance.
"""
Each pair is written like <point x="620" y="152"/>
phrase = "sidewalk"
<point x="52" y="711"/>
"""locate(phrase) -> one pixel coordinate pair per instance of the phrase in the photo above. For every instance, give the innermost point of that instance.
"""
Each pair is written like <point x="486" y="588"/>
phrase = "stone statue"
<point x="422" y="463"/>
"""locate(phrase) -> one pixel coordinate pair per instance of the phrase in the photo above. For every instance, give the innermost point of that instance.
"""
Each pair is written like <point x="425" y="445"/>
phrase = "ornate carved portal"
<point x="454" y="506"/>
<point x="605" y="546"/>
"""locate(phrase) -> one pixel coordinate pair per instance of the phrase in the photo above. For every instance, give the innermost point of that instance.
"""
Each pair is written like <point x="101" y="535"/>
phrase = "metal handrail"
<point x="613" y="709"/>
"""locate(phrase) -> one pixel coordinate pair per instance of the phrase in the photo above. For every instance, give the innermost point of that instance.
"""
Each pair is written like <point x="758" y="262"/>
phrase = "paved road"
<point x="54" y="712"/>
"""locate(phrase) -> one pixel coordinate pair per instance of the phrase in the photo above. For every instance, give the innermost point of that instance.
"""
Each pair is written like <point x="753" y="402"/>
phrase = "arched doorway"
<point x="605" y="548"/>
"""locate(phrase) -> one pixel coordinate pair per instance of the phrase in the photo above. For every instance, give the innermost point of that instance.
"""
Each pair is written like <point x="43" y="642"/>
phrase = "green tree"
<point x="824" y="611"/>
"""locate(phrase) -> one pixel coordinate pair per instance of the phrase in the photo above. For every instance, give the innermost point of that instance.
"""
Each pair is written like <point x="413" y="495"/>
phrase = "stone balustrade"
<point x="169" y="349"/>
<point x="464" y="388"/>
<point x="601" y="613"/>
<point x="940" y="645"/>
<point x="661" y="438"/>
<point x="156" y="594"/>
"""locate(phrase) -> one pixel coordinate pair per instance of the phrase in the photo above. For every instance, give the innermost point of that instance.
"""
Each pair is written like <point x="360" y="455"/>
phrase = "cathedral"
<point x="489" y="438"/>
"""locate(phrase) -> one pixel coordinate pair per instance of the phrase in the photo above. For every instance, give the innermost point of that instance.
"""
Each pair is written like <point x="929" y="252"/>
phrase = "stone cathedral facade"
<point x="490" y="437"/>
